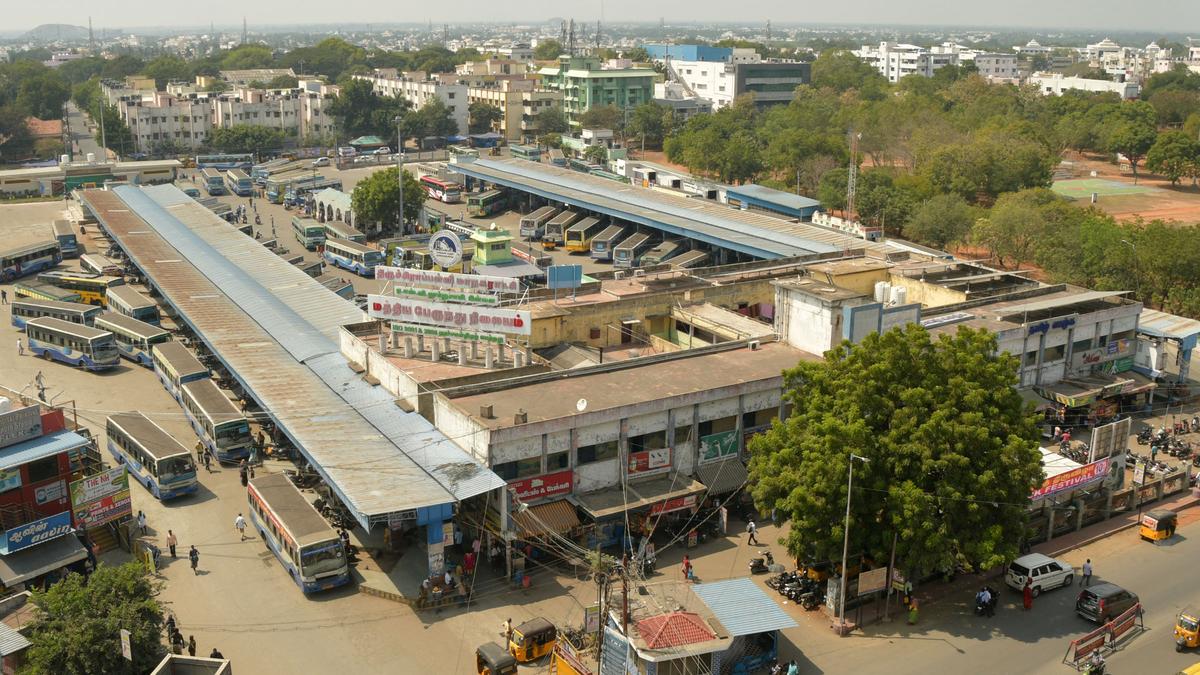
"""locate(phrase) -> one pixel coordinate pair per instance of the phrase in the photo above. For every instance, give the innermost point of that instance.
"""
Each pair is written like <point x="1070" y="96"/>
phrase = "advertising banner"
<point x="872" y="581"/>
<point x="102" y="498"/>
<point x="483" y="319"/>
<point x="10" y="479"/>
<point x="434" y="331"/>
<point x="676" y="504"/>
<point x="450" y="281"/>
<point x="37" y="532"/>
<point x="1075" y="478"/>
<point x="19" y="425"/>
<point x="557" y="484"/>
<point x="718" y="446"/>
<point x="443" y="295"/>
<point x="649" y="462"/>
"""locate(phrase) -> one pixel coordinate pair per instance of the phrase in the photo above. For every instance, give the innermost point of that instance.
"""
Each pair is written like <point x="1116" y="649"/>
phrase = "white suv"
<point x="1043" y="573"/>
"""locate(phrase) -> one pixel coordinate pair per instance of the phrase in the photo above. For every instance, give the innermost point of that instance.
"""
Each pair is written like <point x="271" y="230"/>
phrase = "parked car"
<point x="1042" y="571"/>
<point x="385" y="150"/>
<point x="1102" y="602"/>
<point x="321" y="161"/>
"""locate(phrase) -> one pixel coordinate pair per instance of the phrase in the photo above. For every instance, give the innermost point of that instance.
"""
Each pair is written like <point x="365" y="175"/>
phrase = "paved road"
<point x="81" y="139"/>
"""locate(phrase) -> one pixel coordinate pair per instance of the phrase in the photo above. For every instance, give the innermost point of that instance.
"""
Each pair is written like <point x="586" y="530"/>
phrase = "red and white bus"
<point x="443" y="191"/>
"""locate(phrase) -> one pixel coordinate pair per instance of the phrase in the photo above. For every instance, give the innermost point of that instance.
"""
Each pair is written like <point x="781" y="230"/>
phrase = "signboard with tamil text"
<point x="470" y="283"/>
<point x="482" y="319"/>
<point x="557" y="484"/>
<point x="20" y="425"/>
<point x="434" y="331"/>
<point x="37" y="532"/>
<point x="649" y="462"/>
<point x="675" y="504"/>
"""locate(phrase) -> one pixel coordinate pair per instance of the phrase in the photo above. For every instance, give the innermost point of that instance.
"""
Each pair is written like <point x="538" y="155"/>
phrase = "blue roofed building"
<point x="761" y="198"/>
<point x="660" y="52"/>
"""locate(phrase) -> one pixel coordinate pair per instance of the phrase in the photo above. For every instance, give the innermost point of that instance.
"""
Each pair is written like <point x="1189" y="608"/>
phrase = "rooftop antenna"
<point x="597" y="34"/>
<point x="446" y="35"/>
<point x="562" y="36"/>
<point x="768" y="30"/>
<point x="571" y="38"/>
<point x="243" y="30"/>
<point x="852" y="174"/>
<point x="91" y="36"/>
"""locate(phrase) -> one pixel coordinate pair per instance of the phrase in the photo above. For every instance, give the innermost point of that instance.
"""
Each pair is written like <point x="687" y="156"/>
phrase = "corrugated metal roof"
<point x="12" y="641"/>
<point x="554" y="517"/>
<point x="754" y="233"/>
<point x="724" y="476"/>
<point x="742" y="607"/>
<point x="1055" y="302"/>
<point x="766" y="194"/>
<point x="1154" y="322"/>
<point x="35" y="561"/>
<point x="39" y="448"/>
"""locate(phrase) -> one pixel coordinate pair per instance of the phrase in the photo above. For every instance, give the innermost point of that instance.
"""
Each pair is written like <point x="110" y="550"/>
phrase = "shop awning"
<point x="722" y="477"/>
<point x="1039" y="402"/>
<point x="1081" y="391"/>
<point x="37" y="560"/>
<point x="672" y="491"/>
<point x="551" y="518"/>
<point x="1141" y="384"/>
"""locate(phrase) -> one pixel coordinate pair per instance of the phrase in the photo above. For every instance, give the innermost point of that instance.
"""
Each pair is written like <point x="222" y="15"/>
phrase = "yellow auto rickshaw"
<point x="532" y="640"/>
<point x="1158" y="524"/>
<point x="491" y="659"/>
<point x="1187" y="630"/>
<point x="1193" y="669"/>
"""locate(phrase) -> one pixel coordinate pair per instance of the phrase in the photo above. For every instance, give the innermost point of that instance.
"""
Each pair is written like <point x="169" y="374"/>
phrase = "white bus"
<point x="688" y="260"/>
<point x="603" y="244"/>
<point x="214" y="182"/>
<point x="237" y="182"/>
<point x="125" y="300"/>
<point x="175" y="367"/>
<point x="662" y="252"/>
<point x="222" y="428"/>
<point x="362" y="260"/>
<point x="26" y="309"/>
<point x="308" y="231"/>
<point x="533" y="226"/>
<point x="336" y="230"/>
<point x="71" y="343"/>
<point x="555" y="229"/>
<point x="154" y="458"/>
<point x="64" y="234"/>
<point x="135" y="339"/>
<point x="94" y="263"/>
<point x="309" y="549"/>
<point x="442" y="190"/>
<point x="629" y="252"/>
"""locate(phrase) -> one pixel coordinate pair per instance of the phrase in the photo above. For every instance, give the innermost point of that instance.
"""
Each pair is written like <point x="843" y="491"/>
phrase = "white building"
<point x="743" y="71"/>
<point x="419" y="89"/>
<point x="1031" y="48"/>
<point x="997" y="66"/>
<point x="895" y="61"/>
<point x="1097" y="52"/>
<point x="1056" y="83"/>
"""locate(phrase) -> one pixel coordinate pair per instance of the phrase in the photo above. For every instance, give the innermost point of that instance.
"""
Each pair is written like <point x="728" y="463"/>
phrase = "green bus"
<point x="484" y="204"/>
<point x="308" y="232"/>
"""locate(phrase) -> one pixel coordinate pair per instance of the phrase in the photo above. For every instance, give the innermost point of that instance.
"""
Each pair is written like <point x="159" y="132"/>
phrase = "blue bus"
<point x="154" y="458"/>
<point x="64" y="234"/>
<point x="349" y="255"/>
<point x="214" y="182"/>
<point x="135" y="339"/>
<point x="71" y="343"/>
<point x="307" y="547"/>
<point x="24" y="310"/>
<point x="175" y="367"/>
<point x="237" y="182"/>
<point x="222" y="428"/>
<point x="225" y="162"/>
<point x="29" y="259"/>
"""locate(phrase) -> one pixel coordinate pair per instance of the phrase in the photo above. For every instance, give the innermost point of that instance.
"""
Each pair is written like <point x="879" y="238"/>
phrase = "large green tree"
<point x="168" y="68"/>
<point x="247" y="57"/>
<point x="376" y="198"/>
<point x="603" y="117"/>
<point x="247" y="138"/>
<point x="1174" y="155"/>
<point x="483" y="117"/>
<point x="951" y="452"/>
<point x="941" y="221"/>
<point x="551" y="120"/>
<point x="547" y="50"/>
<point x="78" y="626"/>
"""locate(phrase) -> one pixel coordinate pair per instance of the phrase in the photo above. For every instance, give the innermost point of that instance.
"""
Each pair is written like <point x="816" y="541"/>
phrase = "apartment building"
<point x="997" y="66"/>
<point x="1056" y="84"/>
<point x="520" y="101"/>
<point x="419" y="88"/>
<point x="585" y="83"/>
<point x="896" y="60"/>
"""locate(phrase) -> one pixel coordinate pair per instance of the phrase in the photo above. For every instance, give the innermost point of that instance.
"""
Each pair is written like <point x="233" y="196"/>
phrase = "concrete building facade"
<point x="585" y="84"/>
<point x="895" y="60"/>
<point x="420" y="89"/>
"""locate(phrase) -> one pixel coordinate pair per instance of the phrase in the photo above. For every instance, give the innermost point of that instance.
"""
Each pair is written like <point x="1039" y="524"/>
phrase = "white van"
<point x="1042" y="571"/>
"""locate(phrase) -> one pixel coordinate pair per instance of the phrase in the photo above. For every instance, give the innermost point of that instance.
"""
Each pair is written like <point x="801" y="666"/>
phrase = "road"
<point x="80" y="137"/>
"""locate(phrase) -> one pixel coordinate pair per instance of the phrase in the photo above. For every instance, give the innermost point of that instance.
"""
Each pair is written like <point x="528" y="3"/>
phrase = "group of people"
<point x="177" y="644"/>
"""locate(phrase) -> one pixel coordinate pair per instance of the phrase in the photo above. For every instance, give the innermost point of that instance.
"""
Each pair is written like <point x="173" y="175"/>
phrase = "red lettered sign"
<point x="548" y="485"/>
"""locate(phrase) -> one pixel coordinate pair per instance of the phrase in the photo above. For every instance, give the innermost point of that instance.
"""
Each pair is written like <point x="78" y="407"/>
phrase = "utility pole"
<point x="243" y="30"/>
<point x="400" y="169"/>
<point x="852" y="174"/>
<point x="846" y="547"/>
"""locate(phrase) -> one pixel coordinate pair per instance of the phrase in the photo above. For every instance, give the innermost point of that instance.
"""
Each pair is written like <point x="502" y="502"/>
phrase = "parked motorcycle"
<point x="1144" y="436"/>
<point x="762" y="565"/>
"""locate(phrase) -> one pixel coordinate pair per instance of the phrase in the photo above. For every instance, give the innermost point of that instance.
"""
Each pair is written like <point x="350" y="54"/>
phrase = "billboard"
<point x="482" y="319"/>
<point x="1075" y="478"/>
<point x="434" y="331"/>
<point x="471" y="283"/>
<point x="649" y="462"/>
<point x="20" y="425"/>
<point x="37" y="532"/>
<point x="564" y="276"/>
<point x="548" y="485"/>
<point x="102" y="498"/>
<point x="718" y="446"/>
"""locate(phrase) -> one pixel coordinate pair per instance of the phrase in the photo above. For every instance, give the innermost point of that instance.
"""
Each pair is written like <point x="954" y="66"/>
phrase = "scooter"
<point x="1144" y="436"/>
<point x="762" y="565"/>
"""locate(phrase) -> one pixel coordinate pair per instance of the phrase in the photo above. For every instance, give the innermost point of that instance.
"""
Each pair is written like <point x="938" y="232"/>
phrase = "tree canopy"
<point x="483" y="117"/>
<point x="547" y="50"/>
<point x="951" y="452"/>
<point x="551" y="120"/>
<point x="376" y="198"/>
<point x="247" y="138"/>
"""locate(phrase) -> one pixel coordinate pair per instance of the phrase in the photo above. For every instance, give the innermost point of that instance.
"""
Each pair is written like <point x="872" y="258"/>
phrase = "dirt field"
<point x="1152" y="198"/>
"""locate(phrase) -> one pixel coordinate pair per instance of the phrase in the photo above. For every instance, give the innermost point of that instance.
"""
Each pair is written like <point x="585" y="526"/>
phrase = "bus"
<point x="441" y="190"/>
<point x="125" y="300"/>
<point x="529" y="152"/>
<point x="602" y="245"/>
<point x="134" y="338"/>
<point x="308" y="231"/>
<point x="175" y="366"/>
<point x="278" y="185"/>
<point x="29" y="259"/>
<point x="689" y="260"/>
<point x="94" y="263"/>
<point x="555" y="229"/>
<point x="225" y="162"/>
<point x="357" y="258"/>
<point x="661" y="253"/>
<point x="312" y="269"/>
<point x="259" y="173"/>
<point x="213" y="182"/>
<point x="64" y="234"/>
<point x="154" y="458"/>
<point x="73" y="312"/>
<point x="92" y="288"/>
<point x="237" y="182"/>
<point x="83" y="346"/>
<point x="219" y="423"/>
<point x="336" y="230"/>
<point x="579" y="236"/>
<point x="295" y="193"/>
<point x="484" y="204"/>
<point x="533" y="226"/>
<point x="629" y="252"/>
<point x="309" y="549"/>
<point x="36" y="290"/>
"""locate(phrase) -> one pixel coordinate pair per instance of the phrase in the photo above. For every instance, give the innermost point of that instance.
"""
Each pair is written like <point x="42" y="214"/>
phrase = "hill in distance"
<point x="50" y="32"/>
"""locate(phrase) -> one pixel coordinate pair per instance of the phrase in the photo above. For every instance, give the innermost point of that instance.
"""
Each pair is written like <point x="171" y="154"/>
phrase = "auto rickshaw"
<point x="532" y="640"/>
<point x="1187" y="630"/>
<point x="1158" y="524"/>
<point x="491" y="659"/>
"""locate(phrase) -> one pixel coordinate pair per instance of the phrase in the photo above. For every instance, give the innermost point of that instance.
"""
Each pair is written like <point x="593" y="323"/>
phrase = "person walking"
<point x="141" y="521"/>
<point x="194" y="556"/>
<point x="191" y="645"/>
<point x="912" y="612"/>
<point x="171" y="542"/>
<point x="20" y="347"/>
<point x="245" y="475"/>
<point x="240" y="524"/>
<point x="1086" y="579"/>
<point x="3" y="297"/>
<point x="207" y="461"/>
<point x="508" y="630"/>
<point x="686" y="568"/>
<point x="752" y="530"/>
<point x="1027" y="595"/>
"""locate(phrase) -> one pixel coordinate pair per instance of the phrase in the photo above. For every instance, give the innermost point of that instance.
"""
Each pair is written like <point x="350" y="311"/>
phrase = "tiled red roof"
<point x="674" y="630"/>
<point x="43" y="128"/>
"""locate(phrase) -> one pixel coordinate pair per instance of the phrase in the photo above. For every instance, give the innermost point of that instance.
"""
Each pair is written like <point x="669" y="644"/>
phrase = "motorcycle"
<point x="1144" y="436"/>
<point x="763" y="564"/>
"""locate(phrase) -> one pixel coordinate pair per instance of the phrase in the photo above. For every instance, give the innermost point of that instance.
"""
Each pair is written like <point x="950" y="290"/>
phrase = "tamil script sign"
<point x="37" y="532"/>
<point x="872" y="581"/>
<point x="483" y="319"/>
<point x="548" y="485"/>
<point x="19" y="425"/>
<point x="649" y="462"/>
<point x="102" y="498"/>
<point x="443" y="295"/>
<point x="718" y="446"/>
<point x="471" y="283"/>
<point x="1075" y="478"/>
<point x="434" y="331"/>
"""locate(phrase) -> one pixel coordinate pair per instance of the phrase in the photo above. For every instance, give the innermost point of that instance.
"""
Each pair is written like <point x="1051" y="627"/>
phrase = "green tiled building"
<point x="584" y="84"/>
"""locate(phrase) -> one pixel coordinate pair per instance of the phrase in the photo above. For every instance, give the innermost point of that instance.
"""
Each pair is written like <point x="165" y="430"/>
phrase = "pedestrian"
<point x="244" y="475"/>
<point x="476" y="545"/>
<point x="912" y="612"/>
<point x="216" y="654"/>
<point x="170" y="625"/>
<point x="469" y="562"/>
<point x="191" y="645"/>
<point x="194" y="556"/>
<point x="687" y="569"/>
<point x="3" y="297"/>
<point x="240" y="524"/>
<point x="171" y="542"/>
<point x="141" y="521"/>
<point x="793" y="669"/>
<point x="1027" y="595"/>
<point x="251" y="471"/>
<point x="508" y="630"/>
<point x="752" y="530"/>
<point x="20" y="348"/>
<point x="1153" y="448"/>
<point x="199" y="452"/>
<point x="1086" y="579"/>
<point x="1057" y="431"/>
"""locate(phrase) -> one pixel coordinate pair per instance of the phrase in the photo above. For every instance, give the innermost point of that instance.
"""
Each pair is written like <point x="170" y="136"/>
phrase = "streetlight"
<point x="1137" y="275"/>
<point x="846" y="546"/>
<point x="400" y="168"/>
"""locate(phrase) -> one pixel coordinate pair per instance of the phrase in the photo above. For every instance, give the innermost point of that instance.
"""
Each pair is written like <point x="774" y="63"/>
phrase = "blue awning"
<point x="40" y="448"/>
<point x="742" y="607"/>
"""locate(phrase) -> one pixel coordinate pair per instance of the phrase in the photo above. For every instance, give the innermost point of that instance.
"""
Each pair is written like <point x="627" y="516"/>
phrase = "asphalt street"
<point x="77" y="123"/>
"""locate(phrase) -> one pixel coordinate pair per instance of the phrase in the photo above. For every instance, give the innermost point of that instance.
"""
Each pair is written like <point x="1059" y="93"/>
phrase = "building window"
<point x="718" y="425"/>
<point x="557" y="461"/>
<point x="650" y="441"/>
<point x="599" y="452"/>
<point x="683" y="435"/>
<point x="43" y="469"/>
<point x="522" y="468"/>
<point x="759" y="418"/>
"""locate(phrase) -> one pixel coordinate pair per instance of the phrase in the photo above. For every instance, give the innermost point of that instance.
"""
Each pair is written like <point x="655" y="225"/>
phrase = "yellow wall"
<point x="929" y="295"/>
<point x="863" y="282"/>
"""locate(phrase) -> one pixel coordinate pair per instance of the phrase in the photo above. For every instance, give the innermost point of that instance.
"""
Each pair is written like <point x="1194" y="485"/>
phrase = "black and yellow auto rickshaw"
<point x="532" y="640"/>
<point x="1158" y="524"/>
<point x="491" y="659"/>
<point x="1187" y="630"/>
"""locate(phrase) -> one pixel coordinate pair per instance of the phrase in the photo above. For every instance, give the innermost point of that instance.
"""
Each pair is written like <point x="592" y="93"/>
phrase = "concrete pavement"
<point x="80" y="137"/>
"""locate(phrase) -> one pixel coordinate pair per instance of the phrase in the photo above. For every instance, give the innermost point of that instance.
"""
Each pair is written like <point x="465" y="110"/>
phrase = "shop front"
<point x="1098" y="398"/>
<point x="36" y="553"/>
<point x="542" y="521"/>
<point x="648" y="505"/>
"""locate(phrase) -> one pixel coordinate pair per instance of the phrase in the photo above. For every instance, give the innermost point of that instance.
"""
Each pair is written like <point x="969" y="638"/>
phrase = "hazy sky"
<point x="1166" y="15"/>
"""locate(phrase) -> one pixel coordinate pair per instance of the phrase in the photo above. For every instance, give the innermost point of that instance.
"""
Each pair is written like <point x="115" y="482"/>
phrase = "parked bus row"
<point x="220" y="424"/>
<point x="29" y="259"/>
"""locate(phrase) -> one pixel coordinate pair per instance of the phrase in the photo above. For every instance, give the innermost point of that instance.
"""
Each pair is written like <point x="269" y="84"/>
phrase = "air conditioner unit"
<point x="485" y="411"/>
<point x="755" y="345"/>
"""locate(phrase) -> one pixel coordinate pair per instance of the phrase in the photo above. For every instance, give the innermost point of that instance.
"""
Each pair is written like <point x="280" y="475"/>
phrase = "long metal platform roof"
<point x="718" y="225"/>
<point x="382" y="462"/>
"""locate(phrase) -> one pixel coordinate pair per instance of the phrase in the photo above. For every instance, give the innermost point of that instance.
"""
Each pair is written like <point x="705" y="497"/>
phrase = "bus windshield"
<point x="323" y="557"/>
<point x="233" y="431"/>
<point x="172" y="467"/>
<point x="373" y="258"/>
